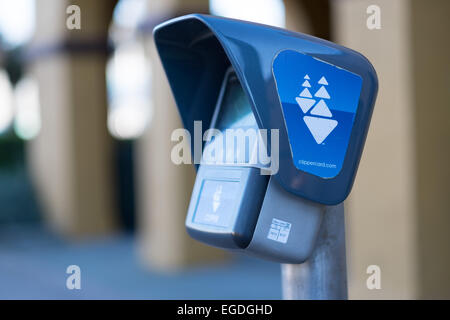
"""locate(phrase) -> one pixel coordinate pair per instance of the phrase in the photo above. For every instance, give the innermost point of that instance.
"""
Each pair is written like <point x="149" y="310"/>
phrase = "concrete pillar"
<point x="308" y="16"/>
<point x="71" y="159"/>
<point x="297" y="19"/>
<point x="431" y="93"/>
<point x="164" y="189"/>
<point x="398" y="215"/>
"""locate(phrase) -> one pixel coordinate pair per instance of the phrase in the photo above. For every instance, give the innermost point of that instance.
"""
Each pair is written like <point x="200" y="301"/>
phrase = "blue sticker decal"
<point x="319" y="103"/>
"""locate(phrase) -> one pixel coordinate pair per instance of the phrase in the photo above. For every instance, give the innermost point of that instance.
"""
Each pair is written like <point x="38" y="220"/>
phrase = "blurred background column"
<point x="398" y="212"/>
<point x="71" y="159"/>
<point x="308" y="16"/>
<point x="164" y="189"/>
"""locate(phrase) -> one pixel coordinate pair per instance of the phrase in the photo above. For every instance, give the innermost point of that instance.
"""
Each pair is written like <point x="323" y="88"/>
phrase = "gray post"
<point x="324" y="275"/>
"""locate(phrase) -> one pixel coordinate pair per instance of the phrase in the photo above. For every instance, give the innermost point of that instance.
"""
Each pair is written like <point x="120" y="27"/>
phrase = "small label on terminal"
<point x="279" y="230"/>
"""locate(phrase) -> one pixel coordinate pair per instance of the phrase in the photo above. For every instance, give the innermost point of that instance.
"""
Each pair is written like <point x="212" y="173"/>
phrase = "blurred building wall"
<point x="71" y="159"/>
<point x="164" y="189"/>
<point x="398" y="213"/>
<point x="430" y="47"/>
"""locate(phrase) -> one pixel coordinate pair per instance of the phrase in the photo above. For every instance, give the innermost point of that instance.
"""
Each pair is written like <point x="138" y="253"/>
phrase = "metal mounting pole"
<point x="324" y="275"/>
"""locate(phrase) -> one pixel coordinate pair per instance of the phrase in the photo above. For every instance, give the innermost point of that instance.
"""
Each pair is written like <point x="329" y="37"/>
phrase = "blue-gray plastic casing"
<point x="196" y="50"/>
<point x="227" y="197"/>
<point x="271" y="63"/>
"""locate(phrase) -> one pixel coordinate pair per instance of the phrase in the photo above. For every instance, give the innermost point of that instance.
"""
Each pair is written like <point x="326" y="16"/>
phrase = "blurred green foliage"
<point x="12" y="150"/>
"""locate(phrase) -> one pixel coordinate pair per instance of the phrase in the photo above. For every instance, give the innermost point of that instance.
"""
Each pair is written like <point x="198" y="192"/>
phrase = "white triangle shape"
<point x="306" y="93"/>
<point x="306" y="84"/>
<point x="305" y="104"/>
<point x="320" y="128"/>
<point x="323" y="81"/>
<point x="306" y="77"/>
<point x="216" y="205"/>
<point x="321" y="109"/>
<point x="322" y="93"/>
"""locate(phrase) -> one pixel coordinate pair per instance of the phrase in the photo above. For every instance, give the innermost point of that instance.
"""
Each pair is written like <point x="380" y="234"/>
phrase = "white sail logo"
<point x="317" y="119"/>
